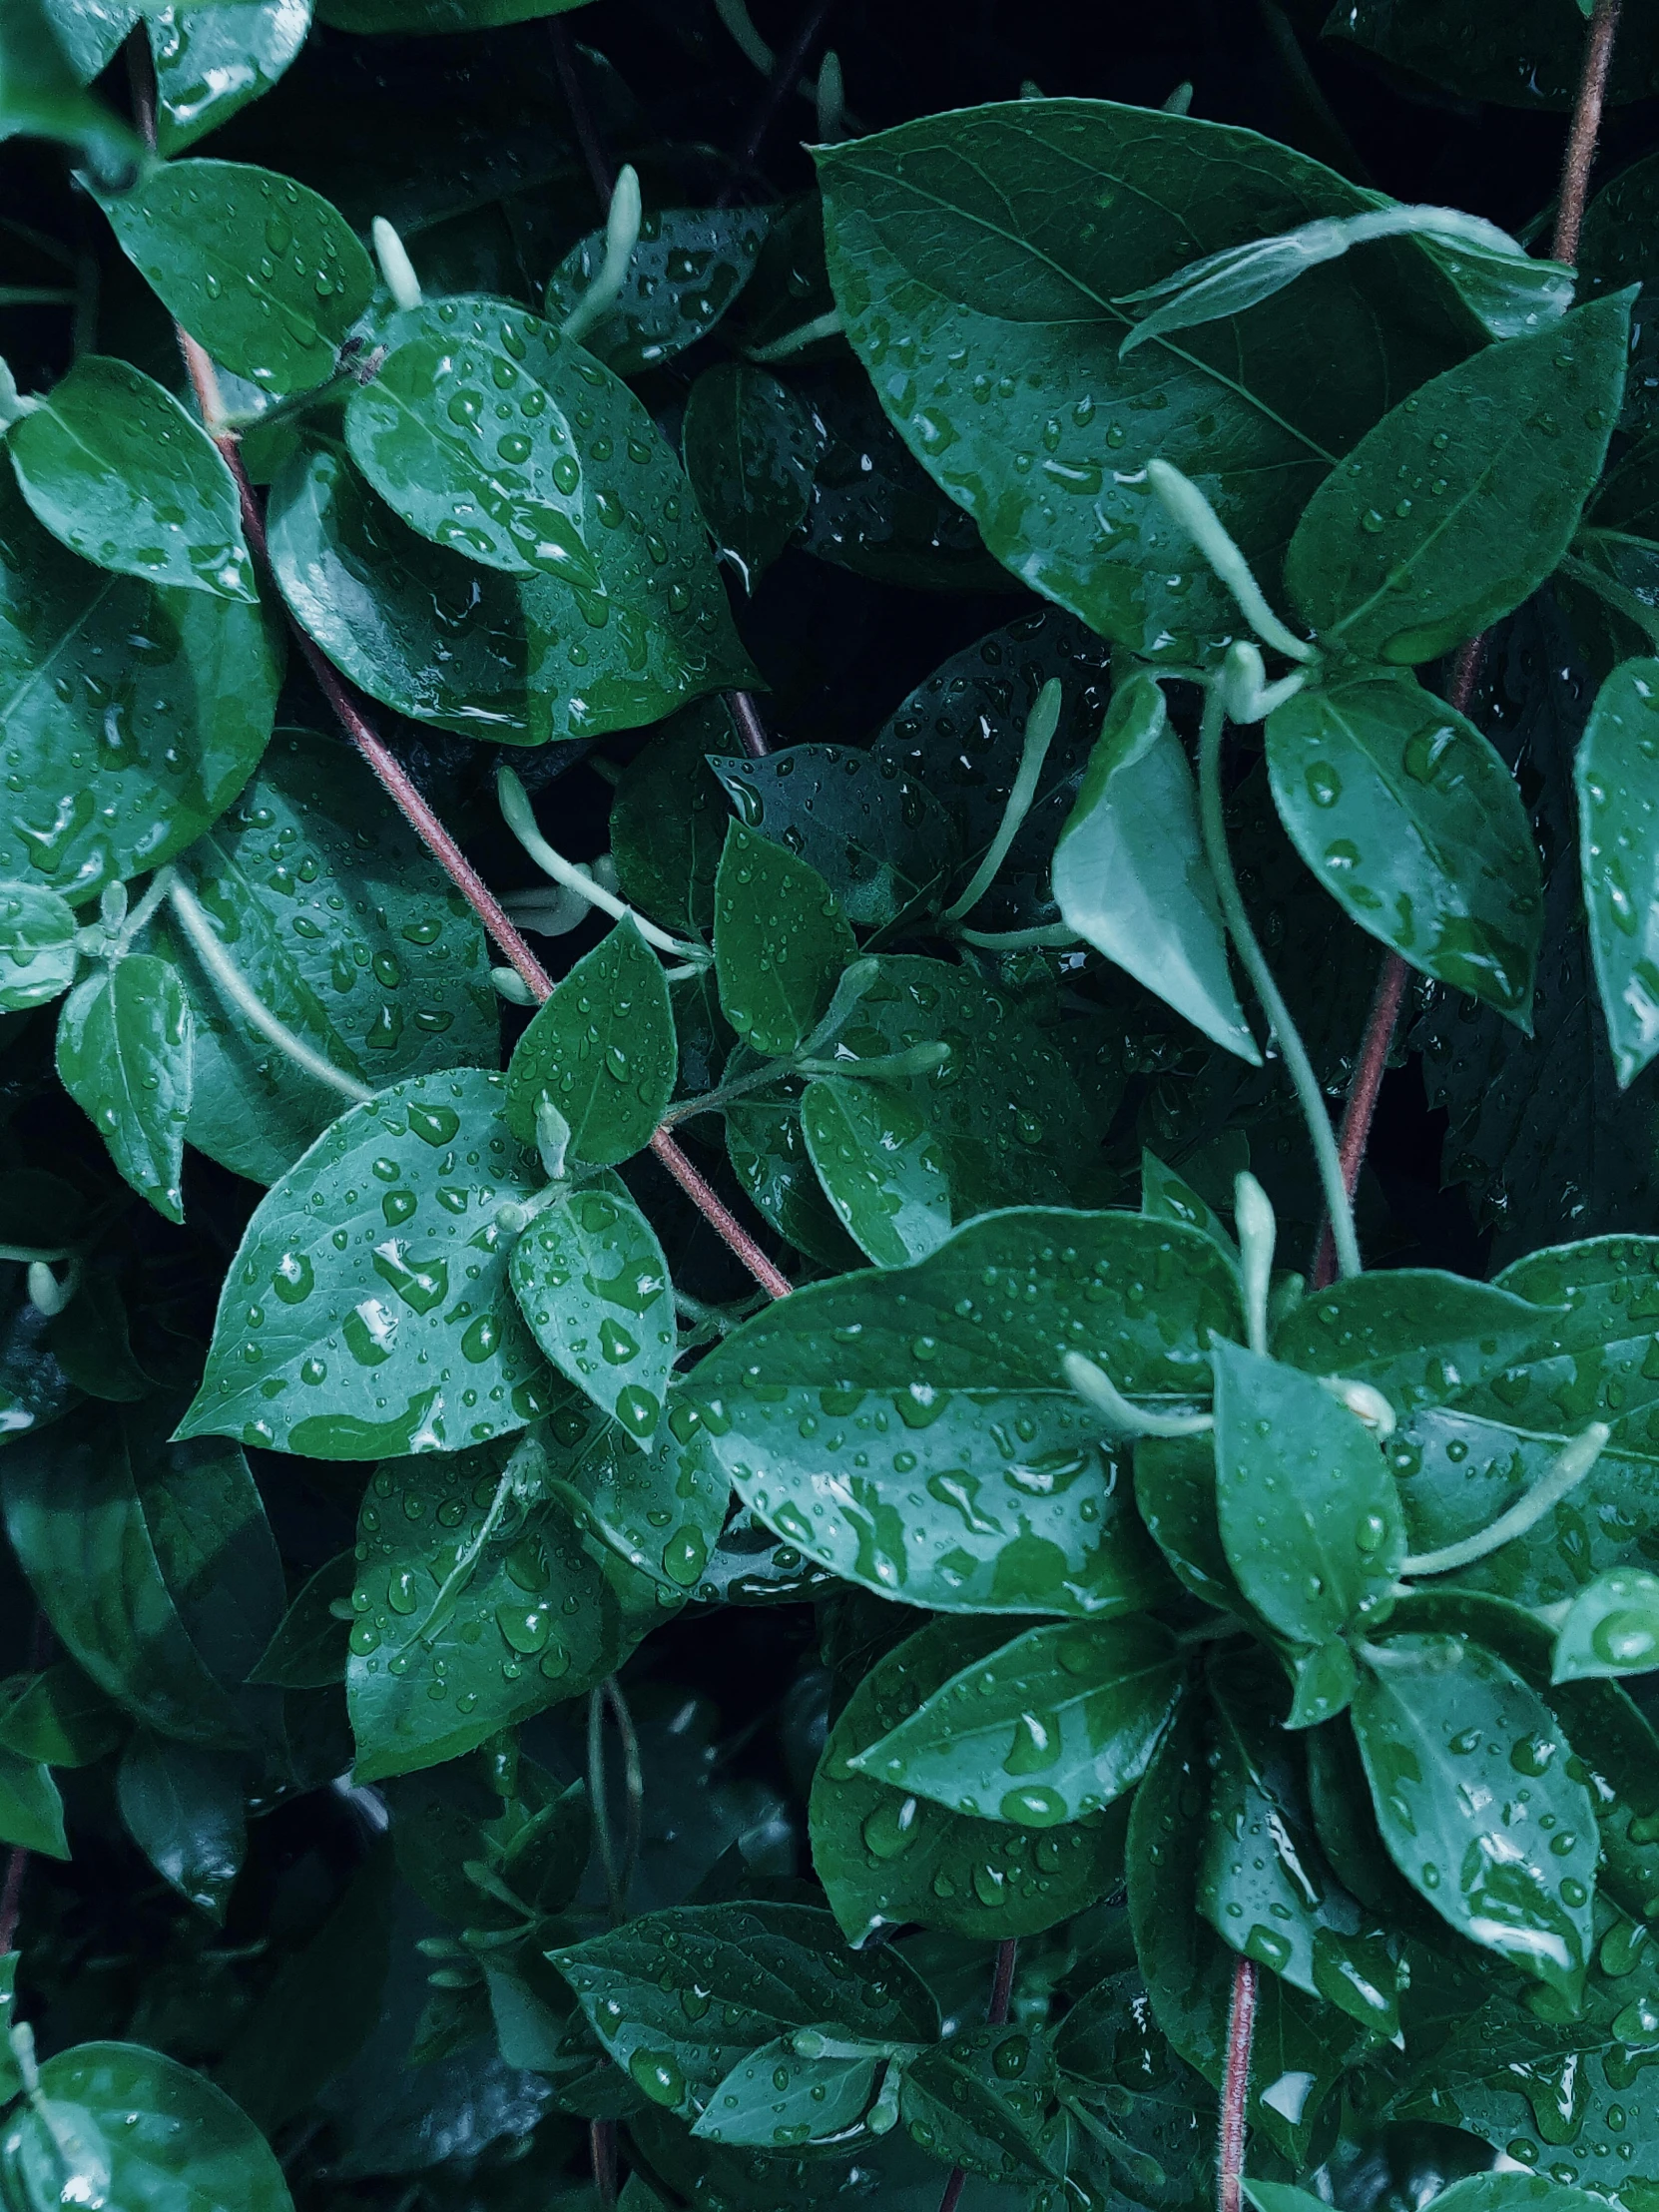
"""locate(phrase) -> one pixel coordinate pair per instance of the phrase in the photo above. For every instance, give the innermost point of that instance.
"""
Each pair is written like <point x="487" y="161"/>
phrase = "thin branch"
<point x="785" y="74"/>
<point x="1586" y="128"/>
<point x="719" y="1216"/>
<point x="996" y="2014"/>
<point x="1234" y="2087"/>
<point x="751" y="729"/>
<point x="581" y="115"/>
<point x="11" y="1898"/>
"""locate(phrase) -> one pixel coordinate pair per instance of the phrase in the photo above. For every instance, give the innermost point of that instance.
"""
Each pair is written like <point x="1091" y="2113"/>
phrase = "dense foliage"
<point x="717" y="1491"/>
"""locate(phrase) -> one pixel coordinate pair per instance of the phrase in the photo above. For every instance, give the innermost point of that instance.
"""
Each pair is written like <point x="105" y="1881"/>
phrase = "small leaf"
<point x="211" y="62"/>
<point x="1411" y="822"/>
<point x="1165" y="1197"/>
<point x="1464" y="497"/>
<point x="979" y="2102"/>
<point x="1619" y="855"/>
<point x="1175" y="1492"/>
<point x="1451" y="1736"/>
<point x="603" y="1050"/>
<point x="308" y="1651"/>
<point x="660" y="1507"/>
<point x="59" y="1717"/>
<point x="1130" y="873"/>
<point x="38" y="957"/>
<point x="750" y="452"/>
<point x="1051" y="1728"/>
<point x="688" y="268"/>
<point x="183" y="1808"/>
<point x="1308" y="1511"/>
<point x="781" y="942"/>
<point x="31" y="1810"/>
<point x="258" y="267"/>
<point x="592" y="1283"/>
<point x="883" y="1171"/>
<point x="879" y="838"/>
<point x="116" y="469"/>
<point x="126" y="1057"/>
<point x="774" y="2098"/>
<point x="1613" y="1627"/>
<point x="669" y="818"/>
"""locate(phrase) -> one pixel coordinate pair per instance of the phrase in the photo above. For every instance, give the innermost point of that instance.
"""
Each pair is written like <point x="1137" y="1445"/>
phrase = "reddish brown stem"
<point x="719" y="1216"/>
<point x="602" y="2151"/>
<point x="1234" y="2087"/>
<point x="11" y="1898"/>
<point x="1586" y="128"/>
<point x="751" y="729"/>
<point x="997" y="2013"/>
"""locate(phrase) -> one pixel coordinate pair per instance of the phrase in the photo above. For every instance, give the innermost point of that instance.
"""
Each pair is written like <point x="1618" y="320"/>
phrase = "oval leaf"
<point x="592" y="1283"/>
<point x="602" y="1051"/>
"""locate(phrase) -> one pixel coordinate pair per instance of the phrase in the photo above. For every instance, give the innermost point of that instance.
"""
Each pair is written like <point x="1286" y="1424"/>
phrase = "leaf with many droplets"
<point x="1166" y="1196"/>
<point x="980" y="2102"/>
<point x="602" y="1051"/>
<point x="593" y="1288"/>
<point x="976" y="266"/>
<point x="477" y="1603"/>
<point x="775" y="2098"/>
<point x="367" y="1308"/>
<point x="908" y="1427"/>
<point x="336" y="914"/>
<point x="767" y="1146"/>
<point x="660" y="1505"/>
<point x="877" y="835"/>
<point x="118" y="471"/>
<point x="419" y="628"/>
<point x="750" y="452"/>
<point x="131" y="714"/>
<point x="1613" y="1627"/>
<point x="183" y="1806"/>
<point x="1618" y="845"/>
<point x="883" y="1170"/>
<point x="1309" y="1512"/>
<point x="211" y="62"/>
<point x="1409" y="819"/>
<point x="126" y="1056"/>
<point x="1466" y="1763"/>
<point x="258" y="267"/>
<point x="886" y="1854"/>
<point x="1130" y="873"/>
<point x="1419" y="1335"/>
<point x="1464" y="497"/>
<point x="1050" y="1727"/>
<point x="1175" y="1493"/>
<point x="781" y="942"/>
<point x="677" y="1998"/>
<point x="688" y="268"/>
<point x="38" y="955"/>
<point x="669" y="816"/>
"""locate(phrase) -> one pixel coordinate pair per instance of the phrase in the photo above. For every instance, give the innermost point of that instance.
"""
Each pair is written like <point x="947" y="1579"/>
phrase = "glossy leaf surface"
<point x="886" y="1177"/>
<point x="211" y="62"/>
<point x="781" y="942"/>
<point x="877" y="836"/>
<point x="1619" y="855"/>
<point x="38" y="958"/>
<point x="750" y="453"/>
<point x="1611" y="1628"/>
<point x="126" y="1056"/>
<point x="601" y="1049"/>
<point x="1419" y="1337"/>
<point x="688" y="268"/>
<point x="183" y="1808"/>
<point x="593" y="1287"/>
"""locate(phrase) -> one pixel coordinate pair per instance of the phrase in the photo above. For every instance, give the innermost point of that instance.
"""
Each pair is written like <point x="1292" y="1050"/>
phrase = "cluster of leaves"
<point x="496" y="1700"/>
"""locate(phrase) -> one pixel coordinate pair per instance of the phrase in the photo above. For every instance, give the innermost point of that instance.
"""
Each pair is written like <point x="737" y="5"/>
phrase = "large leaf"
<point x="1411" y="822"/>
<point x="600" y="1050"/>
<point x="1417" y="1335"/>
<point x="1619" y="855"/>
<point x="183" y="1808"/>
<point x="996" y="240"/>
<point x="134" y="714"/>
<point x="125" y="1056"/>
<point x="1462" y="500"/>
<point x="211" y="62"/>
<point x="378" y="1277"/>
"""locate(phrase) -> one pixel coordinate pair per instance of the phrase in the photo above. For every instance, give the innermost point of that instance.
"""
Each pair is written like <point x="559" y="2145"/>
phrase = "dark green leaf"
<point x="881" y="1169"/>
<point x="38" y="958"/>
<point x="877" y="836"/>
<point x="886" y="1856"/>
<point x="669" y="816"/>
<point x="59" y="1717"/>
<point x="1464" y="1764"/>
<point x="767" y="1146"/>
<point x="1522" y="52"/>
<point x="1417" y="1335"/>
<point x="1616" y="248"/>
<point x="750" y="453"/>
<point x="781" y="942"/>
<point x="125" y="1056"/>
<point x="1050" y="1727"/>
<point x="591" y="1284"/>
<point x="1613" y="1627"/>
<point x="660" y="1506"/>
<point x="602" y="1051"/>
<point x="1175" y="1490"/>
<point x="380" y="1276"/>
<point x="1462" y="501"/>
<point x="688" y="268"/>
<point x="1619" y="857"/>
<point x="1130" y="873"/>
<point x="308" y="1651"/>
<point x="258" y="267"/>
<point x="1165" y="1197"/>
<point x="183" y="1808"/>
<point x="1411" y="822"/>
<point x="775" y="2098"/>
<point x="981" y="2102"/>
<point x="31" y="1810"/>
<point x="1308" y="1511"/>
<point x="211" y="62"/>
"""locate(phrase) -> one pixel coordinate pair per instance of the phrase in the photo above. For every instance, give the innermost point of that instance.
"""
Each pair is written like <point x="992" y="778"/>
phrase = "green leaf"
<point x="31" y="1810"/>
<point x="781" y="942"/>
<point x="750" y="455"/>
<point x="886" y="1856"/>
<point x="986" y="1487"/>
<point x="593" y="1288"/>
<point x="669" y="818"/>
<point x="121" y="474"/>
<point x="775" y="2097"/>
<point x="1613" y="1627"/>
<point x="308" y="1651"/>
<point x="660" y="1507"/>
<point x="1620" y="861"/>
<point x="688" y="268"/>
<point x="1616" y="248"/>
<point x="211" y="62"/>
<point x="41" y="96"/>
<point x="1523" y="56"/>
<point x="763" y="1969"/>
<point x="183" y="1808"/>
<point x="979" y="2102"/>
<point x="421" y="629"/>
<point x="1051" y="1728"/>
<point x="1165" y="1197"/>
<point x="978" y="236"/>
<point x="1308" y="1511"/>
<point x="477" y="1603"/>
<point x="602" y="1051"/>
<point x="185" y="682"/>
<point x="145" y="2129"/>
<point x="877" y="836"/>
<point x="424" y="17"/>
<point x="258" y="267"/>
<point x="1451" y="1736"/>
<point x="767" y="1146"/>
<point x="1419" y="1335"/>
<point x="882" y="1170"/>
<point x="1409" y="819"/>
<point x="378" y="1275"/>
<point x="126" y="1057"/>
<point x="59" y="1717"/>
<point x="1130" y="873"/>
<point x="1460" y="503"/>
<point x="1175" y="1492"/>
<point x="341" y="924"/>
<point x="38" y="957"/>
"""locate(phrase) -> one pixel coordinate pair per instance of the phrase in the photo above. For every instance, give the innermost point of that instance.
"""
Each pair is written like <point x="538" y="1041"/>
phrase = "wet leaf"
<point x="183" y="1808"/>
<point x="750" y="453"/>
<point x="669" y="818"/>
<point x="38" y="958"/>
<point x="1619" y="855"/>
<point x="1527" y="56"/>
<point x="211" y="62"/>
<point x="661" y="1505"/>
<point x="1613" y="1627"/>
<point x="781" y="942"/>
<point x="602" y="1051"/>
<point x="767" y="1146"/>
<point x="593" y="1286"/>
<point x="1175" y="1492"/>
<point x="981" y="2102"/>
<point x="886" y="1175"/>
<point x="688" y="268"/>
<point x="31" y="1810"/>
<point x="877" y="836"/>
<point x="1419" y="1335"/>
<point x="1616" y="249"/>
<point x="126" y="1056"/>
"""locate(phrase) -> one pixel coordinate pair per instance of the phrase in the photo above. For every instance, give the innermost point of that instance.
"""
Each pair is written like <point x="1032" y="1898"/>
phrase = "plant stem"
<point x="1234" y="2087"/>
<point x="581" y="116"/>
<point x="1564" y="1472"/>
<point x="633" y="1781"/>
<point x="1584" y="131"/>
<point x="997" y="2013"/>
<point x="751" y="729"/>
<point x="786" y="73"/>
<point x="602" y="2151"/>
<point x="235" y="988"/>
<point x="1297" y="1065"/>
<point x="1053" y="935"/>
<point x="11" y="1898"/>
<point x="598" y="1804"/>
<point x="719" y="1216"/>
<point x="1040" y="726"/>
